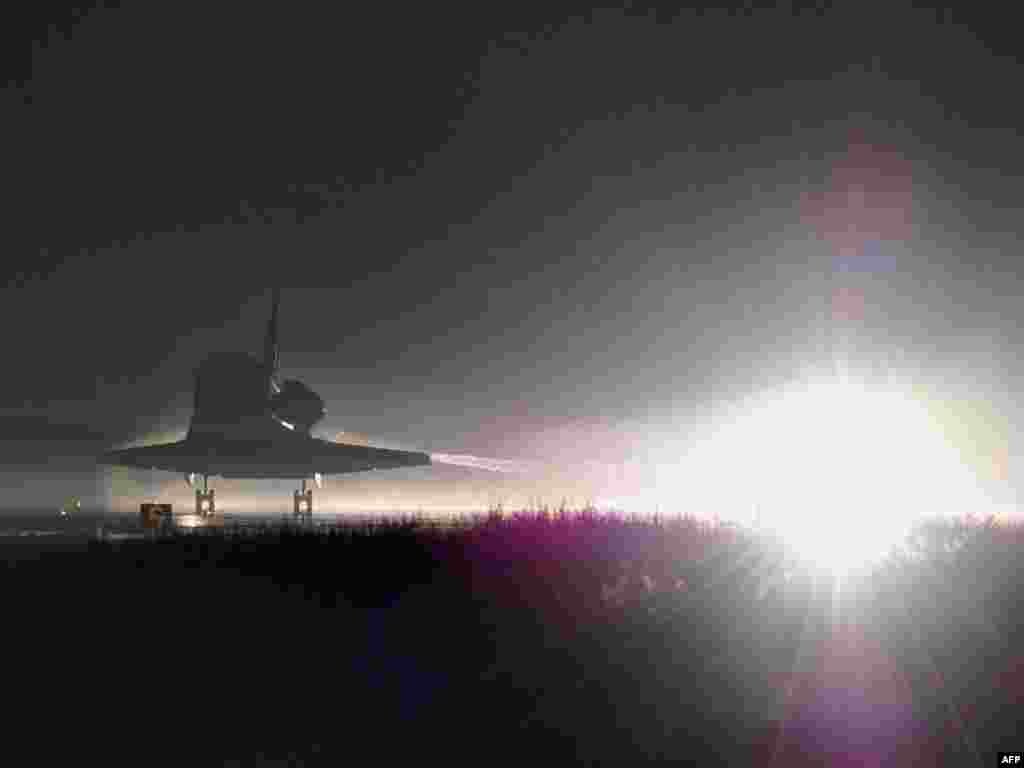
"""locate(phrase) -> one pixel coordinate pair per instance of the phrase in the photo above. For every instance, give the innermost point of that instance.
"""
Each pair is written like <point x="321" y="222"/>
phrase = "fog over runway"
<point x="506" y="243"/>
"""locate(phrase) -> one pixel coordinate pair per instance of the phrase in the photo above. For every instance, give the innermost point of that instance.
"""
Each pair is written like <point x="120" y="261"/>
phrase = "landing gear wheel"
<point x="206" y="505"/>
<point x="303" y="504"/>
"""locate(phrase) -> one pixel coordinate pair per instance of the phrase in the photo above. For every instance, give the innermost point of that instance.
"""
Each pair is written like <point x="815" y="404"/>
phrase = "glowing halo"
<point x="839" y="470"/>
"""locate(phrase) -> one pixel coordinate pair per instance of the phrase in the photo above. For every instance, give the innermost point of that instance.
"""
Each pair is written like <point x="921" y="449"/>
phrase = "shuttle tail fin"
<point x="271" y="350"/>
<point x="196" y="406"/>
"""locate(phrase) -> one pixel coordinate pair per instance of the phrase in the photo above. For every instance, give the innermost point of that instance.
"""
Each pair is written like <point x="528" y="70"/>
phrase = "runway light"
<point x="841" y="471"/>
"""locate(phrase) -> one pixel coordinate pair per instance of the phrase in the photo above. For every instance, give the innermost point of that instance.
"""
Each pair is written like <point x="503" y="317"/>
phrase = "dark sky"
<point x="500" y="229"/>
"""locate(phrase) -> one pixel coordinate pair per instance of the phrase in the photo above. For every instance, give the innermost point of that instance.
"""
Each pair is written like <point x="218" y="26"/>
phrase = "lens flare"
<point x="840" y="470"/>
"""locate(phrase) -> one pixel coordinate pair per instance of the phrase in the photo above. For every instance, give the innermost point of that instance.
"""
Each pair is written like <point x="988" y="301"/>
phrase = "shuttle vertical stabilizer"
<point x="271" y="349"/>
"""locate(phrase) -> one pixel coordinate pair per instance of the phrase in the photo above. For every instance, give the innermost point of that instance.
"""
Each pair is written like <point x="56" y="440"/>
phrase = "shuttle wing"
<point x="282" y="458"/>
<point x="338" y="458"/>
<point x="172" y="457"/>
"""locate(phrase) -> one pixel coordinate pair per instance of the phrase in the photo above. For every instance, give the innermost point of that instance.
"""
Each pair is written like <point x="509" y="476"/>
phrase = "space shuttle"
<point x="248" y="423"/>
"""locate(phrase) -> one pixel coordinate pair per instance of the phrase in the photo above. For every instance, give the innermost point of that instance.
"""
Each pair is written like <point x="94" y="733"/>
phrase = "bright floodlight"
<point x="839" y="470"/>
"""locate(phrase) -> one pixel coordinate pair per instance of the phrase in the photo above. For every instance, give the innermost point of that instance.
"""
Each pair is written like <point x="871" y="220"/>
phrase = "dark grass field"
<point x="567" y="638"/>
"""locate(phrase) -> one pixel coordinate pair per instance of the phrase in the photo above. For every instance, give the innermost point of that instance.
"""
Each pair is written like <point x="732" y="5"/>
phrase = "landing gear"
<point x="205" y="504"/>
<point x="303" y="500"/>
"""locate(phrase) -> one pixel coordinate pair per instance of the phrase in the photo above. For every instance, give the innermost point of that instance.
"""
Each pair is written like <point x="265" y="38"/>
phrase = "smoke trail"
<point x="507" y="466"/>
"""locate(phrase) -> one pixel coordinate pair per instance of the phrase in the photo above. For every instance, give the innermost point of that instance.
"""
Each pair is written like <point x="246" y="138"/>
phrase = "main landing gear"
<point x="302" y="510"/>
<point x="206" y="505"/>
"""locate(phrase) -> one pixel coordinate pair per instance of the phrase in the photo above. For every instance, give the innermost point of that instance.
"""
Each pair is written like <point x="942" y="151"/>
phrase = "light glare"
<point x="839" y="470"/>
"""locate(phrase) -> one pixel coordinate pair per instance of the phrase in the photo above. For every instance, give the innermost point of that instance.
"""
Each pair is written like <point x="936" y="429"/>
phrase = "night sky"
<point x="561" y="238"/>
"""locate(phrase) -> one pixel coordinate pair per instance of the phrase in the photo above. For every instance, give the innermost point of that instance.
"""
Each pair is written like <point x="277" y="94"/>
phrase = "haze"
<point x="577" y="241"/>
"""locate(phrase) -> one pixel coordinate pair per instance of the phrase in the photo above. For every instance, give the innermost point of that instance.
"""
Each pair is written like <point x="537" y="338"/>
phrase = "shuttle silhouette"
<point x="248" y="424"/>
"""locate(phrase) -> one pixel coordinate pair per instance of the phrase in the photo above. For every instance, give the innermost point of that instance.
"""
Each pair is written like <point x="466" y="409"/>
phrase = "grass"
<point x="564" y="634"/>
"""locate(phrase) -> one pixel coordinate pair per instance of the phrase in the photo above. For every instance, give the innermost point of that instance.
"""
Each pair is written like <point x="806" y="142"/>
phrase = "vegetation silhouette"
<point x="571" y="635"/>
